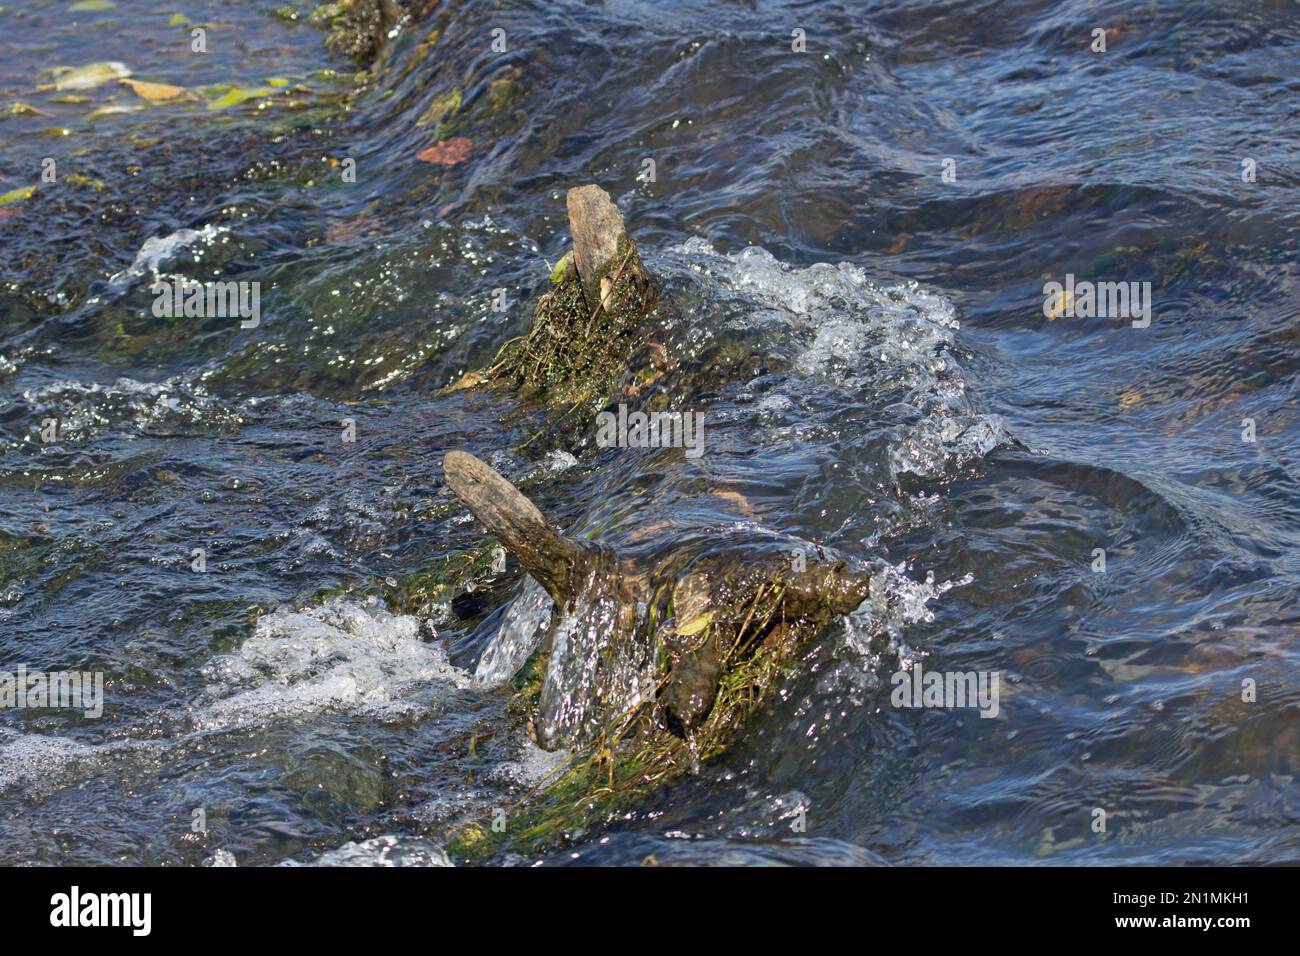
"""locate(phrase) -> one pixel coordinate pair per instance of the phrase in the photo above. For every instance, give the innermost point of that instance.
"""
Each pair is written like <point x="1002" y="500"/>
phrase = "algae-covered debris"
<point x="698" y="613"/>
<point x="671" y="653"/>
<point x="649" y="665"/>
<point x="592" y="319"/>
<point x="357" y="28"/>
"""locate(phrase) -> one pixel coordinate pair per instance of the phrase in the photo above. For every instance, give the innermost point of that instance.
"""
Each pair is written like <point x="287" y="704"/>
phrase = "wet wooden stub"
<point x="556" y="562"/>
<point x="598" y="236"/>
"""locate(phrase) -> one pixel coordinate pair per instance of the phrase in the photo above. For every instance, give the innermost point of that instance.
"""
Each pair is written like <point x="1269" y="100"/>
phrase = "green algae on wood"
<point x="711" y="630"/>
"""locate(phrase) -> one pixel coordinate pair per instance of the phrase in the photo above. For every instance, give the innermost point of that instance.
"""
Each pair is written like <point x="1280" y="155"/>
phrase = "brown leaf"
<point x="156" y="91"/>
<point x="447" y="153"/>
<point x="735" y="497"/>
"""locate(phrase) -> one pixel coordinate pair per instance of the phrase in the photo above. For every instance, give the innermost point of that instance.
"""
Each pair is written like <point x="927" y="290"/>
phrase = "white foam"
<point x="337" y="655"/>
<point x="870" y="339"/>
<point x="388" y="850"/>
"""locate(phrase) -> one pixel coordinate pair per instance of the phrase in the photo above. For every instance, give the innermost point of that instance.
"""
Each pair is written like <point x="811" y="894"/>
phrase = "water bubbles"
<point x="869" y="342"/>
<point x="388" y="850"/>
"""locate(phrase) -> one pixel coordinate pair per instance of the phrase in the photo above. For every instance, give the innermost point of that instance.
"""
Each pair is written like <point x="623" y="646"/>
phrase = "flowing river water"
<point x="1077" y="504"/>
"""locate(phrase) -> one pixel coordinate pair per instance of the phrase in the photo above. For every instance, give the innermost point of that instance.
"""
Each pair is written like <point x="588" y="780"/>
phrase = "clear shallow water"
<point x="906" y="402"/>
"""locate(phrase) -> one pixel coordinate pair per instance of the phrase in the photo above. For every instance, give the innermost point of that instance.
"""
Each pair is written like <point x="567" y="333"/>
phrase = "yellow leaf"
<point x="17" y="195"/>
<point x="240" y="94"/>
<point x="695" y="626"/>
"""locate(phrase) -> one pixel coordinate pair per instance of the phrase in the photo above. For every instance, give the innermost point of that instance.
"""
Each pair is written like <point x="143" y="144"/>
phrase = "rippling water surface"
<point x="903" y="399"/>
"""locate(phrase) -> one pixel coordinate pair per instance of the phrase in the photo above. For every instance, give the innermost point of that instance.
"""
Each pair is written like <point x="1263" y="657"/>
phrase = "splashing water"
<point x="592" y="681"/>
<point x="335" y="655"/>
<point x="520" y="633"/>
<point x="881" y="343"/>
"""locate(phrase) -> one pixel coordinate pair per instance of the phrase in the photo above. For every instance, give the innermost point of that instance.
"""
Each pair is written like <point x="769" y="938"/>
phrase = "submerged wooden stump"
<point x="556" y="562"/>
<point x="696" y="619"/>
<point x="600" y="241"/>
